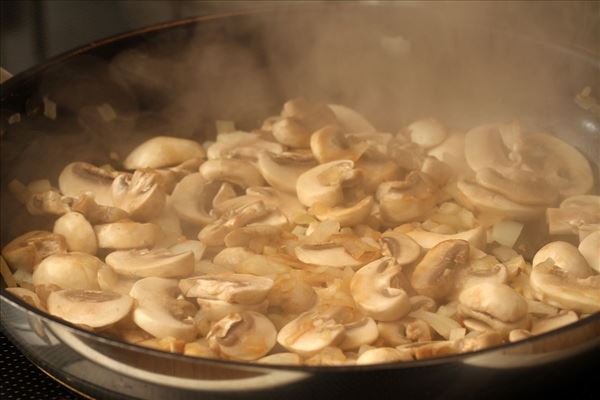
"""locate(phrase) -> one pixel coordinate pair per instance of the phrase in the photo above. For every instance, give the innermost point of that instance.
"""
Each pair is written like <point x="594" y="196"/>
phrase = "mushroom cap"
<point x="92" y="308"/>
<point x="434" y="275"/>
<point x="68" y="271"/>
<point x="163" y="151"/>
<point x="229" y="287"/>
<point x="565" y="256"/>
<point x="376" y="290"/>
<point x="328" y="254"/>
<point x="351" y="120"/>
<point x="239" y="172"/>
<point x="191" y="200"/>
<point x="323" y="183"/>
<point x="589" y="248"/>
<point x="78" y="233"/>
<point x="496" y="300"/>
<point x="126" y="235"/>
<point x="283" y="170"/>
<point x="245" y="336"/>
<point x="140" y="194"/>
<point x="401" y="247"/>
<point x="347" y="216"/>
<point x="144" y="263"/>
<point x="330" y="144"/>
<point x="80" y="177"/>
<point x="26" y="251"/>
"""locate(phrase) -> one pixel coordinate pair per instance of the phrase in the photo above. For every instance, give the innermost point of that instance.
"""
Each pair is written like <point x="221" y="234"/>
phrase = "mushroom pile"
<point x="318" y="240"/>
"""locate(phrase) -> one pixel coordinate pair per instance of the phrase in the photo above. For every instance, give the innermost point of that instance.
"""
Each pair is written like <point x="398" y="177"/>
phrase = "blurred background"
<point x="32" y="31"/>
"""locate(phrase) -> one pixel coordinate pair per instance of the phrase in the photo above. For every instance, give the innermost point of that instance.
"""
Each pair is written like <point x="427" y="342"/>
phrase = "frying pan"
<point x="178" y="78"/>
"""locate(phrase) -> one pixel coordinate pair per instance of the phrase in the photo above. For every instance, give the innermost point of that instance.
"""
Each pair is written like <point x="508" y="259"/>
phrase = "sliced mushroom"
<point x="568" y="221"/>
<point x="382" y="355"/>
<point x="350" y="120"/>
<point x="241" y="145"/>
<point x="291" y="294"/>
<point x="160" y="263"/>
<point x="291" y="132"/>
<point x="299" y="119"/>
<point x="427" y="240"/>
<point x="163" y="151"/>
<point x="214" y="234"/>
<point x="78" y="233"/>
<point x="109" y="280"/>
<point x="214" y="310"/>
<point x="243" y="336"/>
<point x="232" y="288"/>
<point x="437" y="170"/>
<point x="48" y="203"/>
<point x="288" y="204"/>
<point x="452" y="152"/>
<point x="159" y="312"/>
<point x="191" y="200"/>
<point x="427" y="132"/>
<point x="401" y="247"/>
<point x="346" y="216"/>
<point x="27" y="296"/>
<point x="141" y="195"/>
<point x="377" y="292"/>
<point x="80" y="177"/>
<point x="552" y="285"/>
<point x="96" y="213"/>
<point x="589" y="248"/>
<point x="68" y="271"/>
<point x="328" y="254"/>
<point x="324" y="183"/>
<point x="195" y="246"/>
<point x="554" y="322"/>
<point x="232" y="256"/>
<point x="26" y="251"/>
<point x="359" y="333"/>
<point x="329" y="144"/>
<point x="565" y="256"/>
<point x="169" y="230"/>
<point x="281" y="359"/>
<point x="406" y="330"/>
<point x="403" y="201"/>
<point x="96" y="309"/>
<point x="255" y="237"/>
<point x="523" y="187"/>
<point x="239" y="172"/>
<point x="126" y="235"/>
<point x="376" y="171"/>
<point x="435" y="274"/>
<point x="282" y="170"/>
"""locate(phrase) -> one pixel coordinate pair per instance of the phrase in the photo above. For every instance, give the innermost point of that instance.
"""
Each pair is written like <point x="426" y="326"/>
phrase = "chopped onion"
<point x="457" y="333"/>
<point x="225" y="126"/>
<point x="504" y="253"/>
<point x="447" y="310"/>
<point x="441" y="324"/>
<point x="506" y="232"/>
<point x="537" y="307"/>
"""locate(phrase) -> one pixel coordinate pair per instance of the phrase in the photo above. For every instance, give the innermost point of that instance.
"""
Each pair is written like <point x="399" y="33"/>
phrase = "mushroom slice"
<point x="485" y="146"/>
<point x="232" y="256"/>
<point x="163" y="151"/>
<point x="350" y="120"/>
<point x="80" y="177"/>
<point x="494" y="203"/>
<point x="291" y="132"/>
<point x="358" y="333"/>
<point x="95" y="213"/>
<point x="253" y="236"/>
<point x="159" y="312"/>
<point x="589" y="248"/>
<point x="382" y="355"/>
<point x="26" y="251"/>
<point x="232" y="288"/>
<point x="568" y="221"/>
<point x="283" y="170"/>
<point x="299" y="119"/>
<point x="427" y="132"/>
<point x="144" y="263"/>
<point x="191" y="200"/>
<point x="376" y="171"/>
<point x="240" y="145"/>
<point x="328" y="255"/>
<point x="495" y="304"/>
<point x="427" y="240"/>
<point x="281" y="359"/>
<point x="27" y="296"/>
<point x="565" y="256"/>
<point x="141" y="195"/>
<point x="403" y="201"/>
<point x="287" y="203"/>
<point x="109" y="280"/>
<point x="452" y="152"/>
<point x="324" y="183"/>
<point x="78" y="233"/>
<point x="242" y="336"/>
<point x="329" y="144"/>
<point x="93" y="308"/>
<point x="552" y="285"/>
<point x="376" y="290"/>
<point x="214" y="234"/>
<point x="435" y="274"/>
<point x="49" y="202"/>
<point x="523" y="187"/>
<point x="401" y="247"/>
<point x="126" y="235"/>
<point x="554" y="322"/>
<point x="239" y="172"/>
<point x="68" y="271"/>
<point x="587" y="202"/>
<point x="313" y="330"/>
<point x="346" y="216"/>
<point x="214" y="310"/>
<point x="404" y="331"/>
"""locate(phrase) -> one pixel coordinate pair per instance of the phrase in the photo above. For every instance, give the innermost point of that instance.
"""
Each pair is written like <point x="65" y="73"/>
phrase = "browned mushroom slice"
<point x="26" y="251"/>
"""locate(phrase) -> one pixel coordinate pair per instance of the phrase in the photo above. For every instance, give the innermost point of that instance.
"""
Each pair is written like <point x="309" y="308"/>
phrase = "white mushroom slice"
<point x="494" y="203"/>
<point x="163" y="151"/>
<point x="403" y="201"/>
<point x="552" y="285"/>
<point x="587" y="202"/>
<point x="232" y="256"/>
<point x="427" y="132"/>
<point x="141" y="195"/>
<point x="226" y="192"/>
<point x="427" y="240"/>
<point x="495" y="304"/>
<point x="329" y="144"/>
<point x="191" y="200"/>
<point x="195" y="246"/>
<point x="350" y="120"/>
<point x="382" y="355"/>
<point x="435" y="274"/>
<point x="161" y="263"/>
<point x="523" y="187"/>
<point x="68" y="271"/>
<point x="214" y="234"/>
<point x="214" y="310"/>
<point x="47" y="203"/>
<point x="554" y="322"/>
<point x="478" y="274"/>
<point x="568" y="221"/>
<point x="518" y="334"/>
<point x="565" y="256"/>
<point x="376" y="290"/>
<point x="312" y="331"/>
<point x="346" y="216"/>
<point x="239" y="172"/>
<point x="324" y="183"/>
<point x="169" y="229"/>
<point x="109" y="280"/>
<point x="358" y="333"/>
<point x="292" y="295"/>
<point x="237" y="202"/>
<point x="159" y="313"/>
<point x="452" y="152"/>
<point x="291" y="132"/>
<point x="95" y="213"/>
<point x="126" y="235"/>
<point x="328" y="254"/>
<point x="282" y="170"/>
<point x="281" y="359"/>
<point x="91" y="308"/>
<point x="253" y="236"/>
<point x="376" y="171"/>
<point x="26" y="251"/>
<point x="437" y="170"/>
<point x="78" y="233"/>
<point x="27" y="296"/>
<point x="589" y="248"/>
<point x="401" y="247"/>
<point x="80" y="177"/>
<point x="240" y="145"/>
<point x="232" y="288"/>
<point x="288" y="204"/>
<point x="404" y="331"/>
<point x="243" y="336"/>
